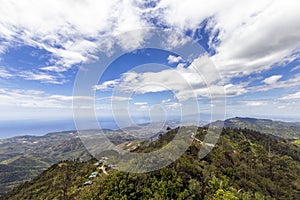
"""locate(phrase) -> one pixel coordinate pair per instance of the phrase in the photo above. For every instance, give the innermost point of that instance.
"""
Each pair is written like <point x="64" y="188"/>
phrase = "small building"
<point x="88" y="183"/>
<point x="104" y="158"/>
<point x="93" y="174"/>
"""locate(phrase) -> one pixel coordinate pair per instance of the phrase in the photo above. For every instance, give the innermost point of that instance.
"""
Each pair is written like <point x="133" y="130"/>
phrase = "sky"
<point x="254" y="45"/>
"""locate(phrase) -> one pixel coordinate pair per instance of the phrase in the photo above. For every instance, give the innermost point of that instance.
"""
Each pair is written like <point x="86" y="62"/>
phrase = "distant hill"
<point x="244" y="164"/>
<point x="286" y="130"/>
<point x="24" y="157"/>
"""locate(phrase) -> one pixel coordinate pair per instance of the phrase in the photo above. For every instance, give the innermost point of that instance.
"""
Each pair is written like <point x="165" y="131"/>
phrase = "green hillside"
<point x="287" y="130"/>
<point x="24" y="157"/>
<point x="244" y="164"/>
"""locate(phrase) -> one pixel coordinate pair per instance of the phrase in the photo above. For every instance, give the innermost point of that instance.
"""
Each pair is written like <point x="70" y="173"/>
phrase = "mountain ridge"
<point x="286" y="130"/>
<point x="43" y="151"/>
<point x="244" y="164"/>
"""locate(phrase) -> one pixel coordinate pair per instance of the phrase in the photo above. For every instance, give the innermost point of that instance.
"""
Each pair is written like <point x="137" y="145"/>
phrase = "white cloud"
<point x="187" y="14"/>
<point x="180" y="81"/>
<point x="114" y="98"/>
<point x="174" y="59"/>
<point x="73" y="31"/>
<point x="247" y="42"/>
<point x="291" y="96"/>
<point x="35" y="104"/>
<point x="120" y="98"/>
<point x="53" y="69"/>
<point x="17" y="104"/>
<point x="253" y="35"/>
<point x="35" y="76"/>
<point x="198" y="79"/>
<point x="34" y="99"/>
<point x="272" y="79"/>
<point x="106" y="85"/>
<point x="173" y="105"/>
<point x="296" y="68"/>
<point x="234" y="90"/>
<point x="293" y="82"/>
<point x="4" y="73"/>
<point x="281" y="107"/>
<point x="165" y="101"/>
<point x="43" y="77"/>
<point x="253" y="103"/>
<point x="140" y="103"/>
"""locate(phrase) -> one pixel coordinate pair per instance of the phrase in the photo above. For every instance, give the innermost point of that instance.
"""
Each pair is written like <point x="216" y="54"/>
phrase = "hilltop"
<point x="287" y="130"/>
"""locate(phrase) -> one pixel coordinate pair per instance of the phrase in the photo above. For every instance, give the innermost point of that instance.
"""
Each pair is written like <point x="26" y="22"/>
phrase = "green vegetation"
<point x="23" y="158"/>
<point x="296" y="142"/>
<point x="287" y="130"/>
<point x="245" y="164"/>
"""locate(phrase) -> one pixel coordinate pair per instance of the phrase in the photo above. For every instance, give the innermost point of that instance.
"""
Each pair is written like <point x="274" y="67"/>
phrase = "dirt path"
<point x="202" y="143"/>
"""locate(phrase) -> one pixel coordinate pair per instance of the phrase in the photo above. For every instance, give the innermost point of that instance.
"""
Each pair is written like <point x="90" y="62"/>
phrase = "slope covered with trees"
<point x="287" y="130"/>
<point x="244" y="164"/>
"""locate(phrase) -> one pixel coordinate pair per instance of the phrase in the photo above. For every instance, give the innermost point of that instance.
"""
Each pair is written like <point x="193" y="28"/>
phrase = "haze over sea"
<point x="12" y="128"/>
<point x="29" y="127"/>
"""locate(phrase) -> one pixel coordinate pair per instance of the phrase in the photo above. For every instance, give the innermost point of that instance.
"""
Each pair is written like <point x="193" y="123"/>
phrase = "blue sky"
<point x="254" y="46"/>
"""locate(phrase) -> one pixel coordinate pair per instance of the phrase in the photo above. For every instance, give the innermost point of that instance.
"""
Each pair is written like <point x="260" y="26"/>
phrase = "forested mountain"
<point x="24" y="157"/>
<point x="244" y="164"/>
<point x="287" y="130"/>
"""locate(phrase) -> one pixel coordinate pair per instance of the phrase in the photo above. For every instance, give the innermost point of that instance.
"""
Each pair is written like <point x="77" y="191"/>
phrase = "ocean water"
<point x="41" y="127"/>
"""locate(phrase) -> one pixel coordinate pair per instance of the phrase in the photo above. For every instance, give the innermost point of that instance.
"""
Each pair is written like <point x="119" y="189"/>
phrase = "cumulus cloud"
<point x="174" y="59"/>
<point x="244" y="31"/>
<point x="235" y="90"/>
<point x="73" y="32"/>
<point x="247" y="37"/>
<point x="198" y="79"/>
<point x="106" y="85"/>
<point x="293" y="82"/>
<point x="272" y="79"/>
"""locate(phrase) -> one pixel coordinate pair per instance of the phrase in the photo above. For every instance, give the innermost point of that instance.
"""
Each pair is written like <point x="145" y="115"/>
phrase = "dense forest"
<point x="244" y="164"/>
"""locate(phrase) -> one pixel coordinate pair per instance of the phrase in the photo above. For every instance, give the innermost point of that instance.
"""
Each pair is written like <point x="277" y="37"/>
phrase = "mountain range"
<point x="244" y="164"/>
<point x="287" y="130"/>
<point x="25" y="157"/>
